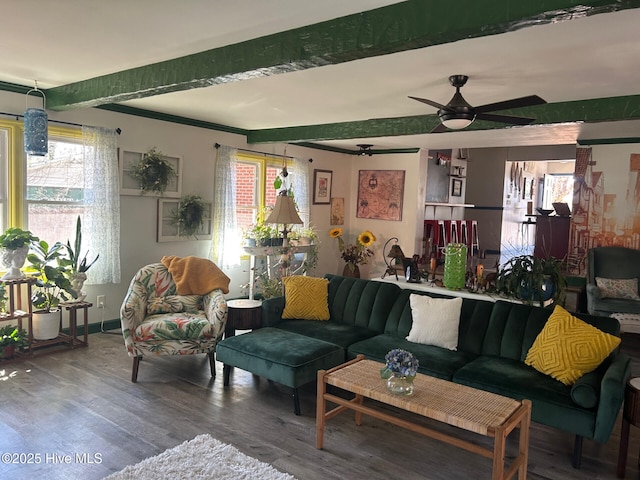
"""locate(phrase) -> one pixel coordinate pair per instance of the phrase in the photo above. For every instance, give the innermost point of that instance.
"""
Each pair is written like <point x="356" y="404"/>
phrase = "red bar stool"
<point x="442" y="238"/>
<point x="454" y="236"/>
<point x="475" y="244"/>
<point x="434" y="237"/>
<point x="464" y="234"/>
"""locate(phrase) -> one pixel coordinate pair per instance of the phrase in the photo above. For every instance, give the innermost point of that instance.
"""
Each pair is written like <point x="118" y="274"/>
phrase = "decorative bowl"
<point x="544" y="211"/>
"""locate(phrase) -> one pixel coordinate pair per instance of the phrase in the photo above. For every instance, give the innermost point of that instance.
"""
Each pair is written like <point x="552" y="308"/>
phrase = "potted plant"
<point x="532" y="279"/>
<point x="52" y="287"/>
<point x="77" y="266"/>
<point x="263" y="234"/>
<point x="306" y="235"/>
<point x="153" y="172"/>
<point x="11" y="339"/>
<point x="14" y="246"/>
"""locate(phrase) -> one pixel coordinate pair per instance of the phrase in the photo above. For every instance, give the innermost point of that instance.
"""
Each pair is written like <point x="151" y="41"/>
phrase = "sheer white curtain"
<point x="101" y="220"/>
<point x="300" y="184"/>
<point x="225" y="247"/>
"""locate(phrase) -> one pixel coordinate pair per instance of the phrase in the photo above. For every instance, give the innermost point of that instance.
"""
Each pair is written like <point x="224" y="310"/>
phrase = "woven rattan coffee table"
<point x="468" y="408"/>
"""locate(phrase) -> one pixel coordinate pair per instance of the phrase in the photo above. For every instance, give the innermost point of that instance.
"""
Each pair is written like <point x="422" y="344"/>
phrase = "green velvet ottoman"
<point x="284" y="357"/>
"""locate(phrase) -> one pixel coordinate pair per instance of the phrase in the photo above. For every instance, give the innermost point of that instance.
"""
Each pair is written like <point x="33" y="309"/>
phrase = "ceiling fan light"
<point x="365" y="149"/>
<point x="457" y="123"/>
<point x="456" y="120"/>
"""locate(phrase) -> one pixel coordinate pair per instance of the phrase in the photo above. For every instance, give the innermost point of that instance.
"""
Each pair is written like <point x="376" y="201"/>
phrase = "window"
<point x="51" y="196"/>
<point x="245" y="182"/>
<point x="558" y="187"/>
<point x="55" y="190"/>
<point x="254" y="188"/>
<point x="79" y="176"/>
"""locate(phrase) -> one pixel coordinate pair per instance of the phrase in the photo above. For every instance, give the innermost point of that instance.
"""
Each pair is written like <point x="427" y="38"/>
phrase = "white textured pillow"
<point x="435" y="321"/>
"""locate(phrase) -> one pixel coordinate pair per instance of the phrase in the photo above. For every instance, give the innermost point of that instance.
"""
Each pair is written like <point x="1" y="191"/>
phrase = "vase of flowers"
<point x="400" y="370"/>
<point x="354" y="254"/>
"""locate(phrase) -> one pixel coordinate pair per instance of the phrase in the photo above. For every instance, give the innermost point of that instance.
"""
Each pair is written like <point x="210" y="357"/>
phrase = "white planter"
<point x="13" y="260"/>
<point x="46" y="325"/>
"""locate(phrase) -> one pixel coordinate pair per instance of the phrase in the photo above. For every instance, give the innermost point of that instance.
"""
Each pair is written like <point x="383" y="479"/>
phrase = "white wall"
<point x="408" y="230"/>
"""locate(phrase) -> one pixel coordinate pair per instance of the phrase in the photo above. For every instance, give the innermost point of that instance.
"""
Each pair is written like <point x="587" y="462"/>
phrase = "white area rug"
<point x="204" y="457"/>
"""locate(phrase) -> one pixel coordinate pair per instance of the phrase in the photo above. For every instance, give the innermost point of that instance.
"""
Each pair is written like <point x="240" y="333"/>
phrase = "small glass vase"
<point x="400" y="384"/>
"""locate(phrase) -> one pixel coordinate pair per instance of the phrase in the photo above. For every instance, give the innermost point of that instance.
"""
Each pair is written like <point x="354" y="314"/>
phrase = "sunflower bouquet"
<point x="354" y="253"/>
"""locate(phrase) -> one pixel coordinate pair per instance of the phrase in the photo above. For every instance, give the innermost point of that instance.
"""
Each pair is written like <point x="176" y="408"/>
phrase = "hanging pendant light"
<point x="35" y="127"/>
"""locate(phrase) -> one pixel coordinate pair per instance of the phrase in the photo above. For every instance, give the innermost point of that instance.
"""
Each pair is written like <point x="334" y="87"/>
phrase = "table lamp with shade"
<point x="284" y="212"/>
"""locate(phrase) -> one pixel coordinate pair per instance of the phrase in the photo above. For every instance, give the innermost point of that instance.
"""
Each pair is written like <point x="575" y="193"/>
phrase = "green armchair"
<point x="613" y="264"/>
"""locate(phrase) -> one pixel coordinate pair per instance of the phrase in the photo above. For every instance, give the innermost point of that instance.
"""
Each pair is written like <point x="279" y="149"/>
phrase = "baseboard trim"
<point x="98" y="327"/>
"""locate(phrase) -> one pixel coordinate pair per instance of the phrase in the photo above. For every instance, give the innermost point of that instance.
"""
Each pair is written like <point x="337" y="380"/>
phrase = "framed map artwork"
<point x="380" y="194"/>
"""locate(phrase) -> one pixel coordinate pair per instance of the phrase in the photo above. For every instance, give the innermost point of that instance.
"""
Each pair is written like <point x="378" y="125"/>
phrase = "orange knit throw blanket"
<point x="195" y="276"/>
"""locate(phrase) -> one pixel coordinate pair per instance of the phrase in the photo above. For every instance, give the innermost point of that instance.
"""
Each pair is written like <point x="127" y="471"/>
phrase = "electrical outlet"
<point x="101" y="301"/>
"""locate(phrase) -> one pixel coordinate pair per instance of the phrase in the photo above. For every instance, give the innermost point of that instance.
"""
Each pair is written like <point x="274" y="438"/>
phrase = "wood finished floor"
<point x="83" y="402"/>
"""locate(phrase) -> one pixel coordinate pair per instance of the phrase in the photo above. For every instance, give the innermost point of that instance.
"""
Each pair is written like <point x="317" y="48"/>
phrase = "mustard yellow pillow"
<point x="306" y="298"/>
<point x="568" y="347"/>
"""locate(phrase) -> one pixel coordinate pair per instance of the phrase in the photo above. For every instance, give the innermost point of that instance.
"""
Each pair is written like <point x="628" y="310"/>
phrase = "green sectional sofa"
<point x="369" y="317"/>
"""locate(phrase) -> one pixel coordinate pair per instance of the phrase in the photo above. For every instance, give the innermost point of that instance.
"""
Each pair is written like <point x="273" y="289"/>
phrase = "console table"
<point x="430" y="288"/>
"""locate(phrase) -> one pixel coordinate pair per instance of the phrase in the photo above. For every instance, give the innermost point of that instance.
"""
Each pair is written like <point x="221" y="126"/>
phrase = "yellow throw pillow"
<point x="568" y="347"/>
<point x="306" y="298"/>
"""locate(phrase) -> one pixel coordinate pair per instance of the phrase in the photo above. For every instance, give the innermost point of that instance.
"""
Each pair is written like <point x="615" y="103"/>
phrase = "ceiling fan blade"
<point x="494" y="117"/>
<point x="440" y="128"/>
<point x="429" y="102"/>
<point x="509" y="104"/>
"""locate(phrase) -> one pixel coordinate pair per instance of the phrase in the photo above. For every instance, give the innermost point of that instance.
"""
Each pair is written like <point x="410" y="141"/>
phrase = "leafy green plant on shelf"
<point x="74" y="262"/>
<point x="532" y="279"/>
<point x="12" y="339"/>
<point x="52" y="283"/>
<point x="12" y="335"/>
<point x="14" y="238"/>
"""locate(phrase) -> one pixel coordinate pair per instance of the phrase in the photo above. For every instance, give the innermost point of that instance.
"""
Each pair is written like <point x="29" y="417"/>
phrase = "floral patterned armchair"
<point x="156" y="320"/>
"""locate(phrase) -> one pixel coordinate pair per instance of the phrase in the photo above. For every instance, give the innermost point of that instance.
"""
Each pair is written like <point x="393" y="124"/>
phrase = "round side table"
<point x="243" y="315"/>
<point x="630" y="416"/>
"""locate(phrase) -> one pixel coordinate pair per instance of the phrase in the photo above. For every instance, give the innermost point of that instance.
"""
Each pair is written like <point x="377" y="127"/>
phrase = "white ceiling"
<point x="66" y="41"/>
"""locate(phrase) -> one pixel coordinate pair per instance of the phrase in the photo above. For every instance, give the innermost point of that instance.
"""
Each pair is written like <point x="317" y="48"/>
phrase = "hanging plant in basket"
<point x="153" y="172"/>
<point x="190" y="215"/>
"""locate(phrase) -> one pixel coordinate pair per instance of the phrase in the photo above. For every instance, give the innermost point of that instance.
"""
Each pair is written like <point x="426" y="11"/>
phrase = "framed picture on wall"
<point x="456" y="187"/>
<point x="380" y="194"/>
<point x="337" y="211"/>
<point x="322" y="180"/>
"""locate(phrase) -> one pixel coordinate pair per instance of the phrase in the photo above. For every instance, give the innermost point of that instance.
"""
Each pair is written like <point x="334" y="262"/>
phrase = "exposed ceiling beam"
<point x="404" y="26"/>
<point x="597" y="110"/>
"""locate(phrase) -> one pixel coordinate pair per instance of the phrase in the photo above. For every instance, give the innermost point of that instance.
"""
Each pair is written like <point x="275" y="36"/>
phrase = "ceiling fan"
<point x="458" y="114"/>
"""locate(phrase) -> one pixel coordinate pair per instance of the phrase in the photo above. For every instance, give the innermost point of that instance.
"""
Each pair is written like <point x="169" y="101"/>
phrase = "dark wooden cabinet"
<point x="552" y="237"/>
